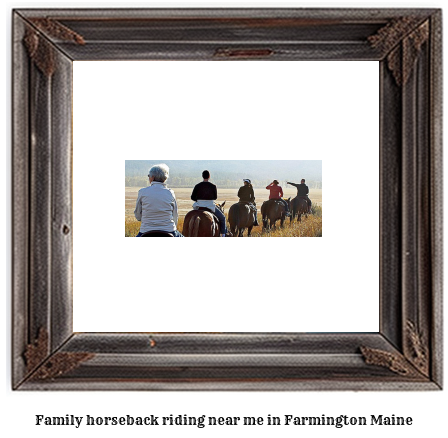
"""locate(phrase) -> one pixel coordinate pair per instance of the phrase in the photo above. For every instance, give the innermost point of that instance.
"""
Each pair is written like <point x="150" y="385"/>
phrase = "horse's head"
<point x="289" y="202"/>
<point x="221" y="206"/>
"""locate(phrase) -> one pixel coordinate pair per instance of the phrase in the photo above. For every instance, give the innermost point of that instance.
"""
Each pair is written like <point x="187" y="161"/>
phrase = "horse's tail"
<point x="193" y="229"/>
<point x="263" y="209"/>
<point x="236" y="227"/>
<point x="237" y="217"/>
<point x="233" y="219"/>
<point x="264" y="214"/>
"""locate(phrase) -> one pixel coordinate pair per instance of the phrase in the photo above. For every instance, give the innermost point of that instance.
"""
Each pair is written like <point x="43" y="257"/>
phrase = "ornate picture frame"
<point x="406" y="353"/>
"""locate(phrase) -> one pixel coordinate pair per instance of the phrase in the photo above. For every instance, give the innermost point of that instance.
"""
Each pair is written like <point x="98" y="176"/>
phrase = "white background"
<point x="210" y="110"/>
<point x="428" y="409"/>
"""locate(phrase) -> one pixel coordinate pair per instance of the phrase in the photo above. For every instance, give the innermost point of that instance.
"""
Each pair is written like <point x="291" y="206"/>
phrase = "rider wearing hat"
<point x="246" y="195"/>
<point x="276" y="192"/>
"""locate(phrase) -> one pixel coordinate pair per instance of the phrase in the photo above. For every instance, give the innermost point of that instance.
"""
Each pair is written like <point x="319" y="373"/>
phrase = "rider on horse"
<point x="302" y="192"/>
<point x="203" y="196"/>
<point x="276" y="192"/>
<point x="156" y="205"/>
<point x="247" y="196"/>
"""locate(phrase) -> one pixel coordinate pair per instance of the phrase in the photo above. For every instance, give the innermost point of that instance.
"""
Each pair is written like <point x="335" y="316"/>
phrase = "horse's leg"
<point x="249" y="230"/>
<point x="265" y="226"/>
<point x="241" y="232"/>
<point x="267" y="223"/>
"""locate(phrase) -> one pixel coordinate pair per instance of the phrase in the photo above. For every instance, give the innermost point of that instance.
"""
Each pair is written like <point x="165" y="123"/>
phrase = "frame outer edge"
<point x="279" y="385"/>
<point x="418" y="264"/>
<point x="436" y="139"/>
<point x="253" y="12"/>
<point x="419" y="328"/>
<point x="20" y="200"/>
<point x="39" y="199"/>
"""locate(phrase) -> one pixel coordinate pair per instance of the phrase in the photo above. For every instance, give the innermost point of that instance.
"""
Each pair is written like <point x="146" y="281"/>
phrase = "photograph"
<point x="223" y="198"/>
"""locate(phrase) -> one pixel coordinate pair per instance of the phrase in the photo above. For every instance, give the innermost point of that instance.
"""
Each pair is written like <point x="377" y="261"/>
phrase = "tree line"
<point x="222" y="181"/>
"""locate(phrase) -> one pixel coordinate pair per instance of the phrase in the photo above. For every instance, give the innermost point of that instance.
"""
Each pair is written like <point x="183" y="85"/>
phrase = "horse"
<point x="241" y="216"/>
<point x="299" y="206"/>
<point x="202" y="223"/>
<point x="272" y="211"/>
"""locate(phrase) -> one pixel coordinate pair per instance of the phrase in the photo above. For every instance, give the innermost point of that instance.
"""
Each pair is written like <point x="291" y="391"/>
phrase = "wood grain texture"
<point x="410" y="336"/>
<point x="61" y="201"/>
<point x="20" y="200"/>
<point x="391" y="298"/>
<point x="436" y="195"/>
<point x="40" y="200"/>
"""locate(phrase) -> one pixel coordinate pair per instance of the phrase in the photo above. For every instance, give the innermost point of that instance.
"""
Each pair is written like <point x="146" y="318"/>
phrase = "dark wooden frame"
<point x="406" y="354"/>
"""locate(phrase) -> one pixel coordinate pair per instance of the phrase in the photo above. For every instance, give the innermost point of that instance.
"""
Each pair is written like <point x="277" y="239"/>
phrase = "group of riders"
<point x="156" y="205"/>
